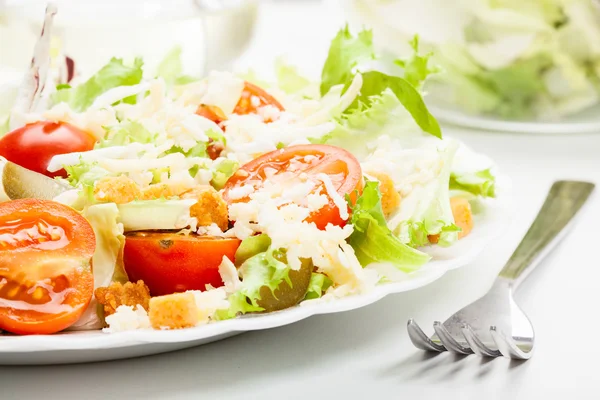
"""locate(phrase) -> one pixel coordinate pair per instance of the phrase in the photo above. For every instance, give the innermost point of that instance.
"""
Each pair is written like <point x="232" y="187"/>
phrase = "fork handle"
<point x="563" y="202"/>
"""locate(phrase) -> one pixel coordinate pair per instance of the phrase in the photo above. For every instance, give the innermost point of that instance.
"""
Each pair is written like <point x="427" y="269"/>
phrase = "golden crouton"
<point x="210" y="208"/>
<point x="120" y="190"/>
<point x="390" y="198"/>
<point x="174" y="311"/>
<point x="463" y="218"/>
<point x="163" y="190"/>
<point x="117" y="294"/>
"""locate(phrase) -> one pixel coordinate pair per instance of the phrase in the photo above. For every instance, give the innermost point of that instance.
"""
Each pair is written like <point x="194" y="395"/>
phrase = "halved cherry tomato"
<point x="46" y="281"/>
<point x="34" y="145"/>
<point x="304" y="161"/>
<point x="170" y="262"/>
<point x="213" y="113"/>
<point x="254" y="97"/>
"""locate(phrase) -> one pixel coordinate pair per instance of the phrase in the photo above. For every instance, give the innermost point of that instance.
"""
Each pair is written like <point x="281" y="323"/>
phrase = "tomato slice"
<point x="291" y="163"/>
<point x="213" y="113"/>
<point x="254" y="97"/>
<point x="34" y="145"/>
<point x="46" y="281"/>
<point x="170" y="262"/>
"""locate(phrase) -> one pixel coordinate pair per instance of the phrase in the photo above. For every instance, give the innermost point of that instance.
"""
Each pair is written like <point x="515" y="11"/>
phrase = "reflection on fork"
<point x="494" y="325"/>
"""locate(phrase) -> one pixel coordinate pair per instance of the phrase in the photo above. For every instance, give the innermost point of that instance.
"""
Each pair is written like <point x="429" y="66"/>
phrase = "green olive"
<point x="285" y="296"/>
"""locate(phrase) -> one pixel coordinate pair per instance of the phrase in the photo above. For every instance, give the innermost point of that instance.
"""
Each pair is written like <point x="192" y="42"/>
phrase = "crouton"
<point x="174" y="311"/>
<point x="210" y="208"/>
<point x="163" y="190"/>
<point x="463" y="218"/>
<point x="117" y="294"/>
<point x="119" y="190"/>
<point x="390" y="198"/>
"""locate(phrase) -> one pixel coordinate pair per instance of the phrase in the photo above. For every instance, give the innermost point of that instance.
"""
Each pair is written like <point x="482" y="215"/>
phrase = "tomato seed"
<point x="13" y="292"/>
<point x="38" y="293"/>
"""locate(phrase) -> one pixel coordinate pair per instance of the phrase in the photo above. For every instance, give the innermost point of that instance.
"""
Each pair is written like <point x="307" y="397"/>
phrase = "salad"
<point x="513" y="59"/>
<point x="139" y="199"/>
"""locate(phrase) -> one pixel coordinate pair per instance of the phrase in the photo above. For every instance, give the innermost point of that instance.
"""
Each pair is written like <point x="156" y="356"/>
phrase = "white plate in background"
<point x="587" y="121"/>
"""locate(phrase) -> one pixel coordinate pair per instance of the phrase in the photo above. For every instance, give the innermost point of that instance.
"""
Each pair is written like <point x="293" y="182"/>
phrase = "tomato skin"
<point x="341" y="166"/>
<point x="46" y="246"/>
<point x="170" y="262"/>
<point x="214" y="113"/>
<point x="33" y="145"/>
<point x="245" y="106"/>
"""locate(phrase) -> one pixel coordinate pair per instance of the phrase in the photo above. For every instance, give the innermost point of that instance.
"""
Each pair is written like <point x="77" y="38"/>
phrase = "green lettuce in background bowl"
<point x="513" y="59"/>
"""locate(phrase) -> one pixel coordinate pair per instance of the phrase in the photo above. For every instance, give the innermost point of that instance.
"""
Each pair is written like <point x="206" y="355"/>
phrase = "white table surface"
<point x="366" y="352"/>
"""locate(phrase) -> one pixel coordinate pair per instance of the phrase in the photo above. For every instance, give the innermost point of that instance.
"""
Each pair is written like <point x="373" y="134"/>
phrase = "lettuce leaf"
<point x="262" y="269"/>
<point x="171" y="68"/>
<point x="223" y="171"/>
<point x="112" y="75"/>
<point x="375" y="82"/>
<point x="417" y="68"/>
<point x="480" y="183"/>
<point x="125" y="133"/>
<point x="373" y="241"/>
<point x="426" y="209"/>
<point x="351" y="55"/>
<point x="107" y="259"/>
<point x="85" y="173"/>
<point x="346" y="52"/>
<point x="288" y="78"/>
<point x="199" y="150"/>
<point x="166" y="214"/>
<point x="517" y="85"/>
<point x="319" y="283"/>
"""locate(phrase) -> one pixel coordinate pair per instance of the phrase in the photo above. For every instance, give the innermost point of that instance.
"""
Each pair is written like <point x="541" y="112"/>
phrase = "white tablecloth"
<point x="366" y="353"/>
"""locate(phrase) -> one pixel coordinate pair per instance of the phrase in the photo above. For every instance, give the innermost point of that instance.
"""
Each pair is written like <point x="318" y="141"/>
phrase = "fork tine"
<point x="476" y="344"/>
<point x="448" y="341"/>
<point x="507" y="345"/>
<point x="420" y="339"/>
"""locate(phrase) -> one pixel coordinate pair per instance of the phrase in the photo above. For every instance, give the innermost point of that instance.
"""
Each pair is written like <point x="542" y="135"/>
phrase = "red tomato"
<point x="247" y="106"/>
<point x="213" y="113"/>
<point x="170" y="262"/>
<point x="46" y="281"/>
<point x="342" y="168"/>
<point x="34" y="145"/>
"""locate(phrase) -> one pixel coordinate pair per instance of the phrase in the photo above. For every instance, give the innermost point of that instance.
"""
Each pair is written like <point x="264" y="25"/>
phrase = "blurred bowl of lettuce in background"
<point x="530" y="65"/>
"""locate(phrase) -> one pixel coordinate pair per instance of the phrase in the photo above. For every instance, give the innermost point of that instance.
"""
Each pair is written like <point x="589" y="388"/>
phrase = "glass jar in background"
<point x="210" y="33"/>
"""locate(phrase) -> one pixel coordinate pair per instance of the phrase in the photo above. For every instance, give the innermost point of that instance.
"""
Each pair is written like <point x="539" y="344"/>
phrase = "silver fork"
<point x="494" y="325"/>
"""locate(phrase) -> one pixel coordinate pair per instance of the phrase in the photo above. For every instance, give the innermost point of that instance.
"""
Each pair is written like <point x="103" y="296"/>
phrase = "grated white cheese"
<point x="316" y="201"/>
<point x="223" y="90"/>
<point x="229" y="275"/>
<point x="286" y="226"/>
<point x="240" y="192"/>
<point x="337" y="199"/>
<point x="208" y="302"/>
<point x="126" y="318"/>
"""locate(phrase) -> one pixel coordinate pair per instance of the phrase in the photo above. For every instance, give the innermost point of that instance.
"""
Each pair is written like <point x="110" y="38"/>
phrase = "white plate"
<point x="587" y="121"/>
<point x="93" y="346"/>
